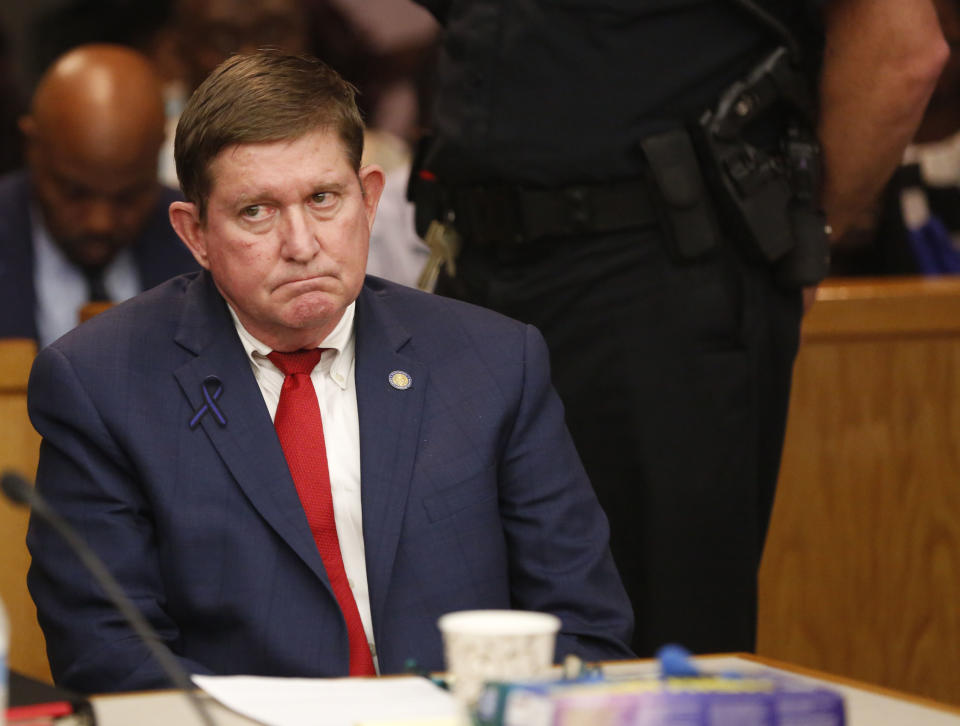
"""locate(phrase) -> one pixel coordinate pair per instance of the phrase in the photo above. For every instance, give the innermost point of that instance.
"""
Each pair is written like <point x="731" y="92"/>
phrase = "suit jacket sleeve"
<point x="556" y="532"/>
<point x="88" y="479"/>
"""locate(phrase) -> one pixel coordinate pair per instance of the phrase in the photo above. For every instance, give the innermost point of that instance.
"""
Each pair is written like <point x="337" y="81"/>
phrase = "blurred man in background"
<point x="87" y="220"/>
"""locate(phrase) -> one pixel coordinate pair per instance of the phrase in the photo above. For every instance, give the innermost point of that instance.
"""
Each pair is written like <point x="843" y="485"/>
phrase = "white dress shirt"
<point x="333" y="381"/>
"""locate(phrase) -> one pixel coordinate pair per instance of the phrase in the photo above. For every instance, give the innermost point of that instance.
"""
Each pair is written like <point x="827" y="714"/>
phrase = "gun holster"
<point x="769" y="194"/>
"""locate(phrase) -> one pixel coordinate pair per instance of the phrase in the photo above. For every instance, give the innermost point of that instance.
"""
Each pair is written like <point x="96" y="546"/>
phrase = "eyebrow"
<point x="248" y="198"/>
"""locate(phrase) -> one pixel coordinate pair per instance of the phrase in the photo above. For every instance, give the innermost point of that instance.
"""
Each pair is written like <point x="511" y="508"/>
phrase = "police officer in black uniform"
<point x="641" y="179"/>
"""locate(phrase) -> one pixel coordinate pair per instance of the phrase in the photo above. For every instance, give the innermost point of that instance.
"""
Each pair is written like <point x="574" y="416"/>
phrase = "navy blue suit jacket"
<point x="472" y="493"/>
<point x="158" y="252"/>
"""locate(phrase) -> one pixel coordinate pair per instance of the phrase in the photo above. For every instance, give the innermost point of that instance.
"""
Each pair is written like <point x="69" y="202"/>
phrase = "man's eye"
<point x="74" y="192"/>
<point x="322" y="198"/>
<point x="252" y="212"/>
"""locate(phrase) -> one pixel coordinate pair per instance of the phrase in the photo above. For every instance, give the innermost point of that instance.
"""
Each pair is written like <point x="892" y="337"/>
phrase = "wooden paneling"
<point x="861" y="574"/>
<point x="19" y="449"/>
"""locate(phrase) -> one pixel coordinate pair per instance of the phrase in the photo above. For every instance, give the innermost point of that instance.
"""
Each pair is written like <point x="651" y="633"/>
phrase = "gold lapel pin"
<point x="400" y="380"/>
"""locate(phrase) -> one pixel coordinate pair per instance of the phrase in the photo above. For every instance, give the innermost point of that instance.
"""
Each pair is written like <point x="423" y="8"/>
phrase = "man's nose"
<point x="300" y="236"/>
<point x="100" y="217"/>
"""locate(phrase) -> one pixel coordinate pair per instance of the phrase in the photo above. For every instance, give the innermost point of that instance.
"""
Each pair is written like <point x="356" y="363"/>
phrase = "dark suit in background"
<point x="472" y="493"/>
<point x="158" y="252"/>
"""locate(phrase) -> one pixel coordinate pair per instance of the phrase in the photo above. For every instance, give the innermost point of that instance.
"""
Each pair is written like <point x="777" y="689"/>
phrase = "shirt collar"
<point x="340" y="341"/>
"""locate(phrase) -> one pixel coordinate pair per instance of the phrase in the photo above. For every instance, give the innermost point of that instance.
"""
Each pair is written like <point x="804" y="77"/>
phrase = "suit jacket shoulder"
<point x="423" y="312"/>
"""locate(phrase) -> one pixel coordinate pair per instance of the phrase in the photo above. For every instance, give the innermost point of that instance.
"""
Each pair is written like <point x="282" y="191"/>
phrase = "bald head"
<point x="93" y="137"/>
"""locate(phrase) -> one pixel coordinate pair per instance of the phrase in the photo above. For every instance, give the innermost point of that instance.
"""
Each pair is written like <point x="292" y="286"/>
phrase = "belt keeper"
<point x="580" y="211"/>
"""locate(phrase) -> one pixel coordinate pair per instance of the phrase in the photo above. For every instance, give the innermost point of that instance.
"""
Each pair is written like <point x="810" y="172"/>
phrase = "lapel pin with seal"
<point x="401" y="380"/>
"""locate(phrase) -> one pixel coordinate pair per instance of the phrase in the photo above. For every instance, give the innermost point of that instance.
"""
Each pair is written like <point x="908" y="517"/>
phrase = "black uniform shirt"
<point x="552" y="92"/>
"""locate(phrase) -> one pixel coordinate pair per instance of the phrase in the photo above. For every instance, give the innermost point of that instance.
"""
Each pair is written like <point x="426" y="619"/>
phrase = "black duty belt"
<point x="517" y="215"/>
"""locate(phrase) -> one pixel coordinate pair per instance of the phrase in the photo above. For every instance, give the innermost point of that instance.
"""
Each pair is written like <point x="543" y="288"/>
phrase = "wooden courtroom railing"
<point x="861" y="573"/>
<point x="19" y="449"/>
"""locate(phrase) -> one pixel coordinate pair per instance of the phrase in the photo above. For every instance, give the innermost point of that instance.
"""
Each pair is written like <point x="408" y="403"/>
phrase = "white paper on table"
<point x="332" y="701"/>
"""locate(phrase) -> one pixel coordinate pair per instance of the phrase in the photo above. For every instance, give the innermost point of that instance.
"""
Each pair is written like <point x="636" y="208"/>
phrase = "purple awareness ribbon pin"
<point x="209" y="381"/>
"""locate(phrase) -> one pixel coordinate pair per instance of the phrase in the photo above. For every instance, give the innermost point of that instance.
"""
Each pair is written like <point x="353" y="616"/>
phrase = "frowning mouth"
<point x="319" y="282"/>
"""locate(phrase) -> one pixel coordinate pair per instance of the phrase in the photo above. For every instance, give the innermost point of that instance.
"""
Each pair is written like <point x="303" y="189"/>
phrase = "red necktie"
<point x="300" y="430"/>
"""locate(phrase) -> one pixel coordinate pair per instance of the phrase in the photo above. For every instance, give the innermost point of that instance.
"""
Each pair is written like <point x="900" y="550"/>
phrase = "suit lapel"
<point x="247" y="443"/>
<point x="389" y="431"/>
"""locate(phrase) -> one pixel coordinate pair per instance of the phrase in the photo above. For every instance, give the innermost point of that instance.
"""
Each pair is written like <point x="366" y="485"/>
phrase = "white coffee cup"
<point x="496" y="645"/>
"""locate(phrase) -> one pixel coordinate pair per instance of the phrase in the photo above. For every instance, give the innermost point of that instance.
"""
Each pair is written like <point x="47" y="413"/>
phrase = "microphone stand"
<point x="19" y="491"/>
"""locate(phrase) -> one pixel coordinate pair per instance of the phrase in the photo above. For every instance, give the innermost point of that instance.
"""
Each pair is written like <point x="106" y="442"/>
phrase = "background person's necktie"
<point x="300" y="430"/>
<point x="96" y="288"/>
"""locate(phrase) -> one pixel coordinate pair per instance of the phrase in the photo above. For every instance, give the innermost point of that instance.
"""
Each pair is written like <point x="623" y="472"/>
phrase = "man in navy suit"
<point x="450" y="473"/>
<point x="88" y="220"/>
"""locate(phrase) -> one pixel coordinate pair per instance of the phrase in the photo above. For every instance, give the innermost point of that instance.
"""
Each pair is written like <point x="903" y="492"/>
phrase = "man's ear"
<point x="372" y="180"/>
<point x="185" y="220"/>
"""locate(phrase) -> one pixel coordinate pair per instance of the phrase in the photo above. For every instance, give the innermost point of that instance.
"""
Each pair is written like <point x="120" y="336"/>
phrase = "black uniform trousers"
<point x="675" y="378"/>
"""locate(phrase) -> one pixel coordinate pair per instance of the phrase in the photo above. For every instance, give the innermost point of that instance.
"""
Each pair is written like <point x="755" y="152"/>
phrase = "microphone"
<point x="19" y="491"/>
